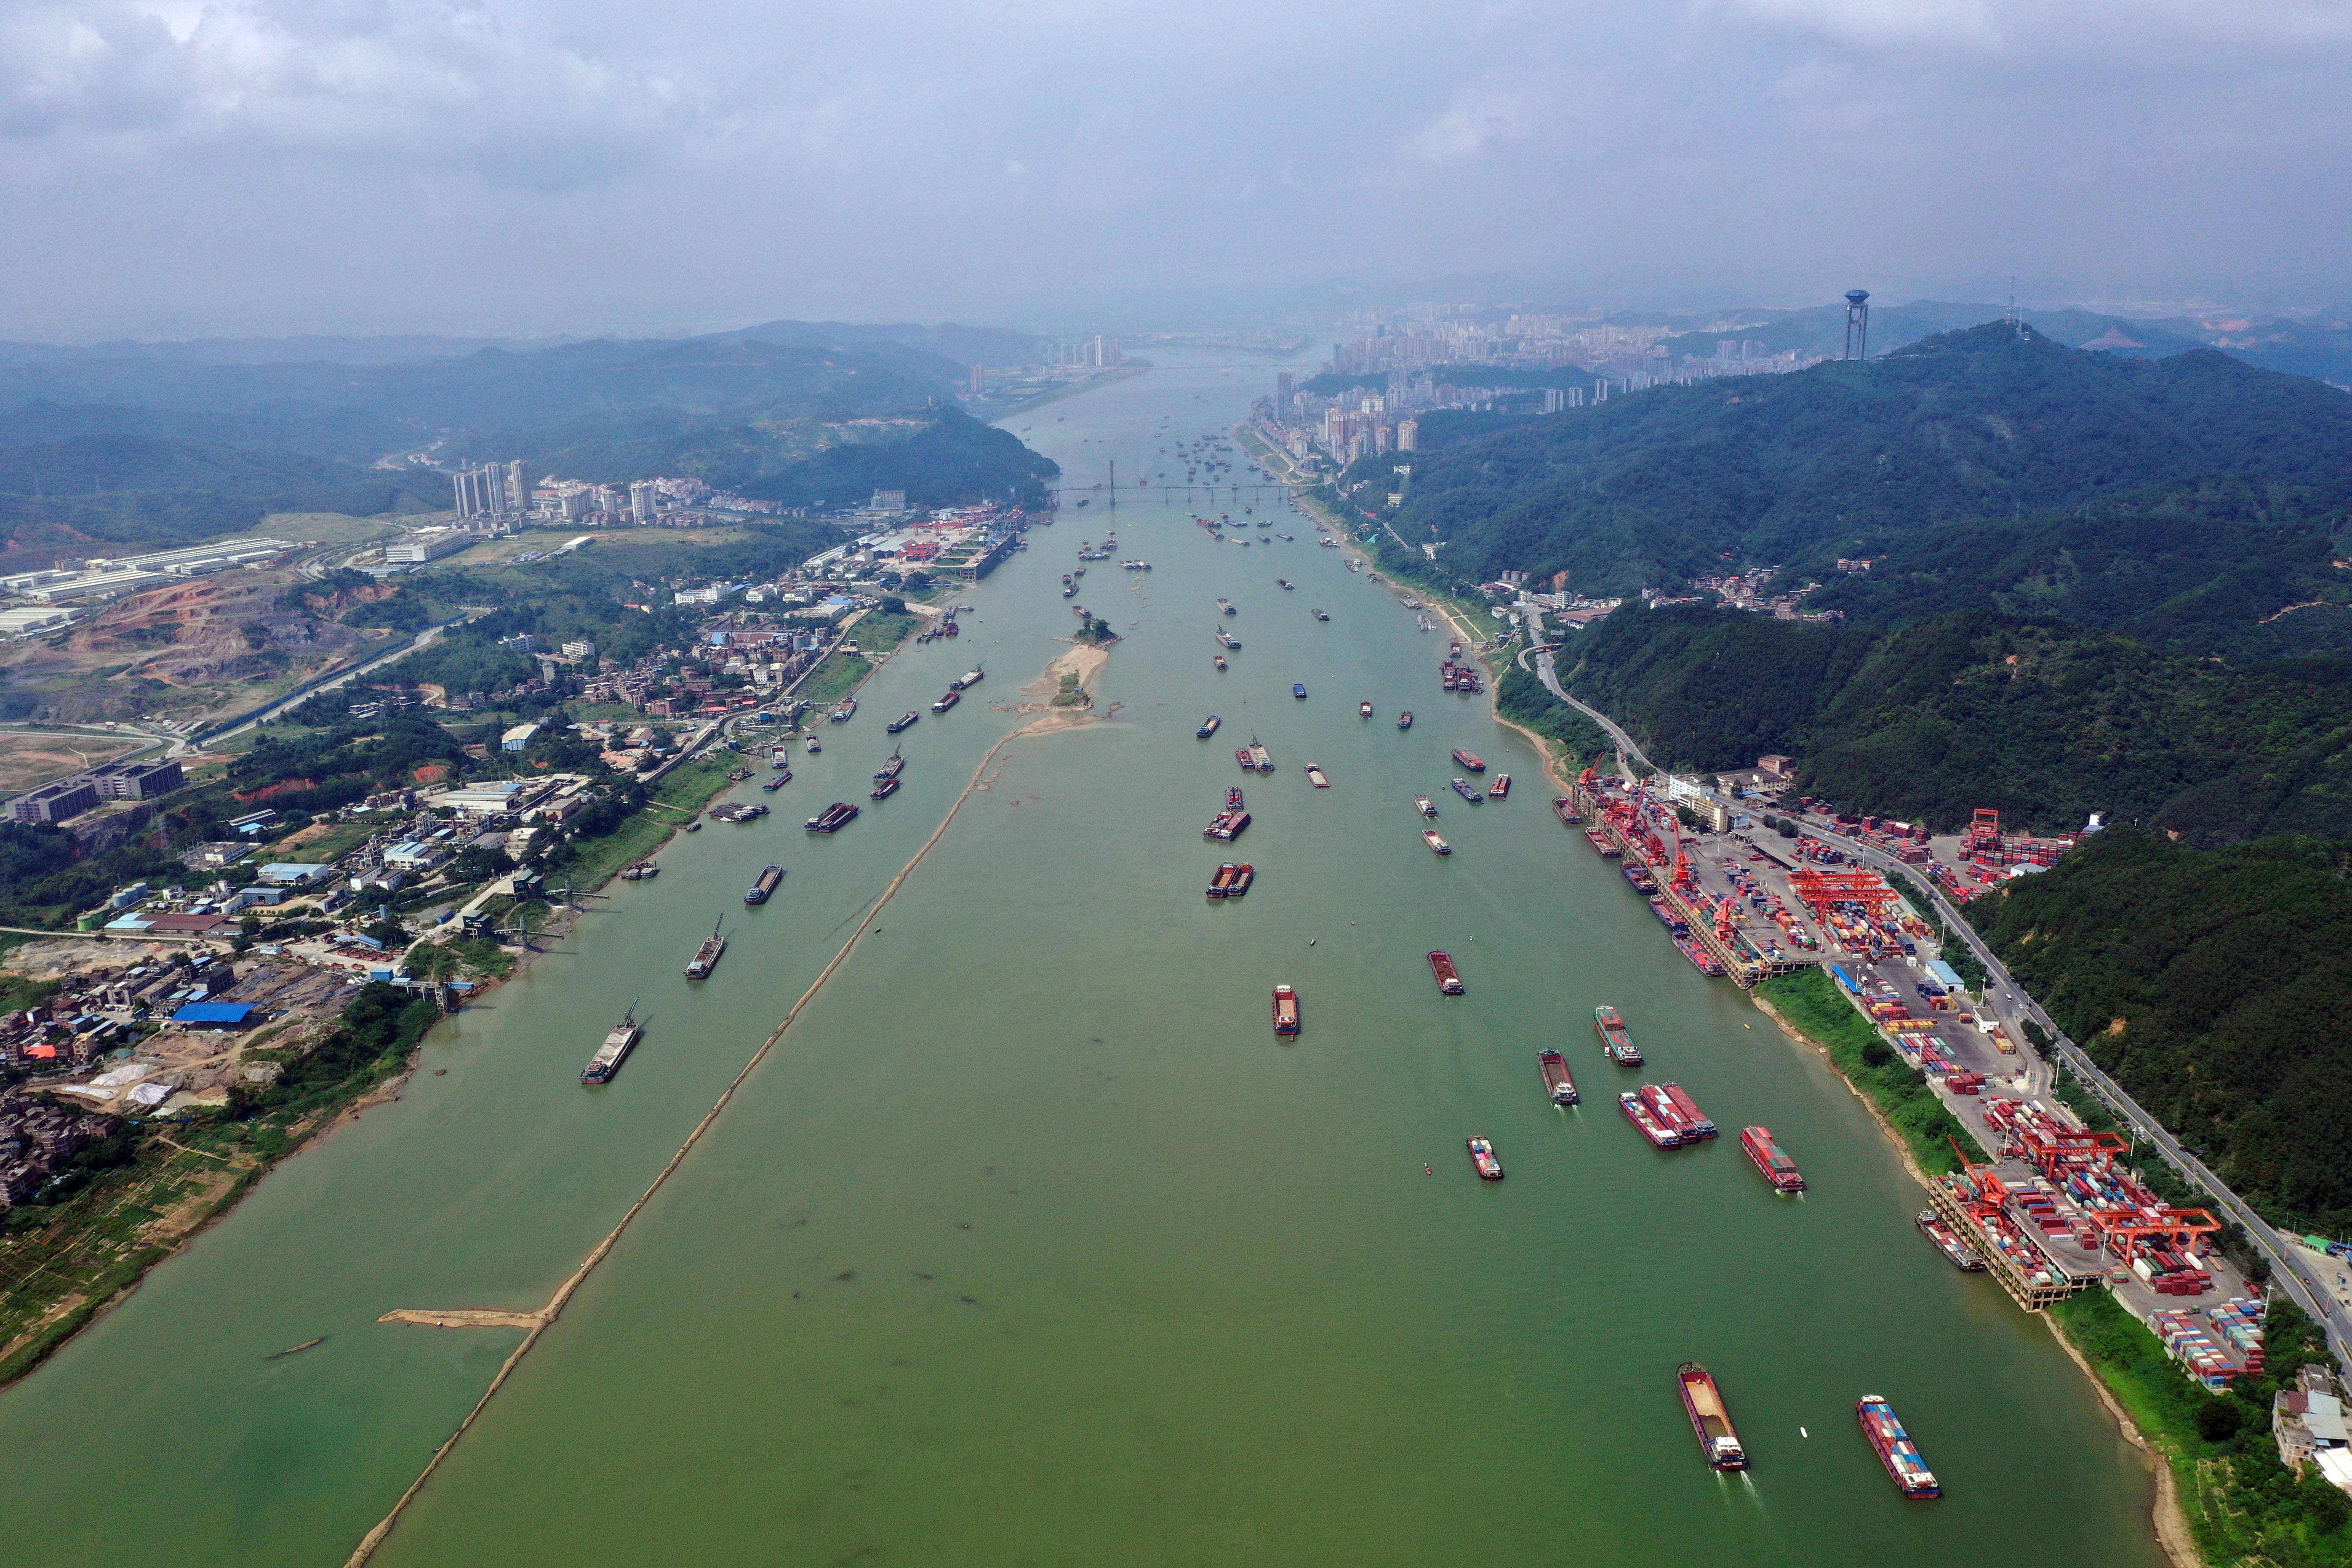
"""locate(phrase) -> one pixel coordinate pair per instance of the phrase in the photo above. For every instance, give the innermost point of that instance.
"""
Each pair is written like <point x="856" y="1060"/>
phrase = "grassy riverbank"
<point x="2242" y="1504"/>
<point x="140" y="1196"/>
<point x="1812" y="1003"/>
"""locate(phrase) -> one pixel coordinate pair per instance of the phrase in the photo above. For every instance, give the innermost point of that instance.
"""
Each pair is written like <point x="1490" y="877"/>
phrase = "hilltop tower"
<point x="1857" y="323"/>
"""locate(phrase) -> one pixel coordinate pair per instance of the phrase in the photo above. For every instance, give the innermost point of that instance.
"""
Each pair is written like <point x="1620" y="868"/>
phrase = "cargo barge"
<point x="1638" y="1111"/>
<point x="884" y="790"/>
<point x="1897" y="1451"/>
<point x="1225" y="606"/>
<point x="1208" y="727"/>
<point x="769" y="880"/>
<point x="844" y="710"/>
<point x="1405" y="720"/>
<point x="1260" y="758"/>
<point x="1441" y="965"/>
<point x="1638" y="879"/>
<point x="1483" y="1160"/>
<point x="1695" y="1123"/>
<point x="706" y="957"/>
<point x="1962" y="1256"/>
<point x="1316" y="776"/>
<point x="614" y="1050"/>
<point x="891" y="767"/>
<point x="1229" y="642"/>
<point x="972" y="677"/>
<point x="1616" y="1041"/>
<point x="1468" y="791"/>
<point x="904" y="722"/>
<point x="778" y="782"/>
<point x="1705" y="962"/>
<point x="1602" y="847"/>
<point x="1469" y="761"/>
<point x="1557" y="1081"/>
<point x="1565" y="810"/>
<point x="1778" y="1168"/>
<point x="1364" y="709"/>
<point x="1231" y="881"/>
<point x="1423" y="804"/>
<point x="832" y="818"/>
<point x="1285" y="1010"/>
<point x="1501" y="788"/>
<point x="1228" y="824"/>
<point x="1299" y="690"/>
<point x="946" y="702"/>
<point x="1709" y="1418"/>
<point x="1437" y="844"/>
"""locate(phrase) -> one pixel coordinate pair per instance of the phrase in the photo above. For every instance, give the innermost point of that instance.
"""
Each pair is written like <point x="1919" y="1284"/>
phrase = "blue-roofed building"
<point x="215" y="1014"/>
<point x="1945" y="976"/>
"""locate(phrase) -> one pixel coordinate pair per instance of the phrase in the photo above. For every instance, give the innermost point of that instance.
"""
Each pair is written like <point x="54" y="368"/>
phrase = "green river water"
<point x="1029" y="1243"/>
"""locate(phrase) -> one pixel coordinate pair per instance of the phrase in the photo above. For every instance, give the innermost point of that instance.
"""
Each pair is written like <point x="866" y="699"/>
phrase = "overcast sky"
<point x="178" y="167"/>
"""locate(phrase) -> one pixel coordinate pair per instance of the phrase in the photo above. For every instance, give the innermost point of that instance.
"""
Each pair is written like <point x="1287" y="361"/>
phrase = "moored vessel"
<point x="1222" y="882"/>
<point x="1643" y="1116"/>
<point x="1694" y="1121"/>
<point x="1286" y="1010"/>
<point x="706" y="957"/>
<point x="1709" y="1417"/>
<point x="1565" y="810"/>
<point x="1960" y="1254"/>
<point x="614" y="1050"/>
<point x="1895" y="1449"/>
<point x="1602" y="847"/>
<point x="1558" y="1083"/>
<point x="1616" y="1041"/>
<point x="1778" y="1168"/>
<point x="843" y="709"/>
<point x="1441" y="965"/>
<point x="1260" y="758"/>
<point x="1482" y="1159"/>
<point x="767" y="882"/>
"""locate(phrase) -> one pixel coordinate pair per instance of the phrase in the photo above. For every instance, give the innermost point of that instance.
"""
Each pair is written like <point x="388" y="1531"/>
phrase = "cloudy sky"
<point x="176" y="167"/>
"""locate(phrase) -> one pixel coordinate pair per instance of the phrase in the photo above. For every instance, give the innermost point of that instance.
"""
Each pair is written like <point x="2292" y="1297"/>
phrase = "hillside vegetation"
<point x="2211" y="986"/>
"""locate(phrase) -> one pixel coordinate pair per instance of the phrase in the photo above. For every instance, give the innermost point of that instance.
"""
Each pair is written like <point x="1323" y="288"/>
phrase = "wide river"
<point x="1029" y="1243"/>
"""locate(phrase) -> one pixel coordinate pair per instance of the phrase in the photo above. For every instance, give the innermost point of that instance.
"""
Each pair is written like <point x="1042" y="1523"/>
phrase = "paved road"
<point x="2292" y="1268"/>
<point x="296" y="698"/>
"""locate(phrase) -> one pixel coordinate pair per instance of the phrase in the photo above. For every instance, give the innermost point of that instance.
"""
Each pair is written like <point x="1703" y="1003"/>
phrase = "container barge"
<point x="1645" y="1120"/>
<point x="1693" y="1120"/>
<point x="1483" y="1160"/>
<point x="1709" y="1417"/>
<point x="614" y="1050"/>
<point x="706" y="957"/>
<point x="1565" y="810"/>
<point x="1285" y="1010"/>
<point x="1557" y="1081"/>
<point x="1897" y="1451"/>
<point x="1469" y="761"/>
<point x="832" y="818"/>
<point x="1962" y="1256"/>
<point x="1441" y="965"/>
<point x="769" y="880"/>
<point x="1501" y="788"/>
<point x="1778" y="1168"/>
<point x="1616" y="1041"/>
<point x="1468" y="791"/>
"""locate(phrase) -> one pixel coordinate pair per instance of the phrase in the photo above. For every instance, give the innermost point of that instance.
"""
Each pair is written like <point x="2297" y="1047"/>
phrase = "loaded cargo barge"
<point x="706" y="957"/>
<point x="1286" y="1010"/>
<point x="769" y="879"/>
<point x="1703" y="1403"/>
<point x="1616" y="1041"/>
<point x="614" y="1050"/>
<point x="1441" y="965"/>
<point x="1897" y="1451"/>
<point x="1778" y="1168"/>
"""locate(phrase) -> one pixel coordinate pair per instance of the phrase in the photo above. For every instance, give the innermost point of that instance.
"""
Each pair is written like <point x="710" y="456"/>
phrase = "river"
<point x="1029" y="1243"/>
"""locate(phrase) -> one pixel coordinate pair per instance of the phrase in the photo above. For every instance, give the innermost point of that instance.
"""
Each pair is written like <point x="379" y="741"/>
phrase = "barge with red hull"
<point x="1894" y="1447"/>
<point x="1703" y="1402"/>
<point x="1616" y="1041"/>
<point x="1778" y="1168"/>
<point x="1482" y="1159"/>
<point x="1441" y="965"/>
<point x="1285" y="1010"/>
<point x="1558" y="1083"/>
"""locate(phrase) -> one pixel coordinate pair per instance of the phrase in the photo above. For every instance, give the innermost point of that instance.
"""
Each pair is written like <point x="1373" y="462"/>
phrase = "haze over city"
<point x="521" y="168"/>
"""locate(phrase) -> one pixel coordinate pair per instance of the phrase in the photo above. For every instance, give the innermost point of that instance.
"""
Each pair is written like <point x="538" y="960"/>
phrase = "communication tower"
<point x="1857" y="323"/>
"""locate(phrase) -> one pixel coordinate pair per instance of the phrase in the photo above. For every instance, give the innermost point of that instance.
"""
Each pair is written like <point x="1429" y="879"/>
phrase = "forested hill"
<point x="1993" y="422"/>
<point x="2211" y="986"/>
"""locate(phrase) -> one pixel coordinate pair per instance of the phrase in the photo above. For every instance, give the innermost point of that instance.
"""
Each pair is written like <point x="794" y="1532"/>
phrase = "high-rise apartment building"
<point x="642" y="500"/>
<point x="517" y="486"/>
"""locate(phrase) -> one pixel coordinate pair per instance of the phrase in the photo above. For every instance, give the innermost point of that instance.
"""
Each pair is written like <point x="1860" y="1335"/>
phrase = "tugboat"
<point x="614" y="1050"/>
<point x="1441" y="965"/>
<point x="1616" y="1041"/>
<point x="1709" y="1418"/>
<point x="1285" y="1010"/>
<point x="706" y="957"/>
<point x="1483" y="1160"/>
<point x="1557" y="1081"/>
<point x="1897" y="1451"/>
<point x="1405" y="720"/>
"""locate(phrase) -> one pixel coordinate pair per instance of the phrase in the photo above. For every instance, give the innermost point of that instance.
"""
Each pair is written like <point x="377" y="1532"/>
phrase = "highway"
<point x="2292" y="1267"/>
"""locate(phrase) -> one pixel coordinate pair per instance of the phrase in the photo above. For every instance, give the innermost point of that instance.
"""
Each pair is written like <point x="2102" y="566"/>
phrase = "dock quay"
<point x="1742" y="961"/>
